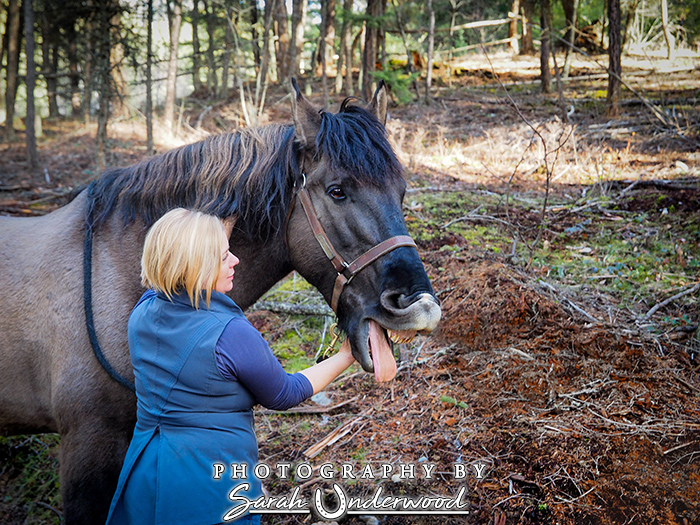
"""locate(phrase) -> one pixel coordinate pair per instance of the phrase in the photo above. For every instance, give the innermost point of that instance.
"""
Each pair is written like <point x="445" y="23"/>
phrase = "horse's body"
<point x="50" y="380"/>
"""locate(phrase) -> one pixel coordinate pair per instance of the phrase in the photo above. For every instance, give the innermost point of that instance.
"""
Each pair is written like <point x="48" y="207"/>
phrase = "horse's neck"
<point x="116" y="256"/>
<point x="261" y="267"/>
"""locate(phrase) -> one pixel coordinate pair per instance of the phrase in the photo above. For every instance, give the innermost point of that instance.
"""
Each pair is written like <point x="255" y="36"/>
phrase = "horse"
<point x="339" y="166"/>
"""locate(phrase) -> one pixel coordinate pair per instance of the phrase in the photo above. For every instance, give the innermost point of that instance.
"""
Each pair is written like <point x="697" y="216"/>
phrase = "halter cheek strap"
<point x="346" y="271"/>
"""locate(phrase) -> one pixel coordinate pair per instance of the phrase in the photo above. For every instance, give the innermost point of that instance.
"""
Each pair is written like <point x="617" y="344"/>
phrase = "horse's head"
<point x="353" y="184"/>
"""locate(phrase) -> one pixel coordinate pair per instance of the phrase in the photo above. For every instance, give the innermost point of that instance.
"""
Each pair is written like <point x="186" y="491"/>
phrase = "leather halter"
<point x="346" y="271"/>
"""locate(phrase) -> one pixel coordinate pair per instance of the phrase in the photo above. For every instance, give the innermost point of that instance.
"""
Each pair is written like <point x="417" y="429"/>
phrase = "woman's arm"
<point x="321" y="374"/>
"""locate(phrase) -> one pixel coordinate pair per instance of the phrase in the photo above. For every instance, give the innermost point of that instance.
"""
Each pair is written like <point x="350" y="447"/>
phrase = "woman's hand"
<point x="345" y="348"/>
<point x="321" y="374"/>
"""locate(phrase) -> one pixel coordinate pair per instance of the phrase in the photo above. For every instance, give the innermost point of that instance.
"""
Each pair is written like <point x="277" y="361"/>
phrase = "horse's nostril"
<point x="393" y="301"/>
<point x="398" y="300"/>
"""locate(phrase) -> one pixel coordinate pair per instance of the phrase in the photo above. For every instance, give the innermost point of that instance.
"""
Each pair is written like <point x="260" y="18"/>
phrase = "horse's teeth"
<point x="402" y="337"/>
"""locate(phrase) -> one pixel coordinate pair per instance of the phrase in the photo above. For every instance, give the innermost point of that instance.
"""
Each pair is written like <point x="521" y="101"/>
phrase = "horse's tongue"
<point x="383" y="359"/>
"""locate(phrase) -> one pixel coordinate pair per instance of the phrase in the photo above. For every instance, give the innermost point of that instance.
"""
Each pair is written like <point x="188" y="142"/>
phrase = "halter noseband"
<point x="346" y="271"/>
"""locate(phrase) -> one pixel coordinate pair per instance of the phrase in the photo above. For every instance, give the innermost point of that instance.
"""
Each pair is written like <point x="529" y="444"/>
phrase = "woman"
<point x="199" y="368"/>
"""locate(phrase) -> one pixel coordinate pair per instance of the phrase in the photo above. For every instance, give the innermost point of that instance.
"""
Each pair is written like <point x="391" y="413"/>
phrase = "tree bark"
<point x="431" y="44"/>
<point x="369" y="54"/>
<point x="614" y="57"/>
<point x="298" y="15"/>
<point x="329" y="47"/>
<point x="121" y="87"/>
<point x="74" y="73"/>
<point x="261" y="80"/>
<point x="571" y="11"/>
<point x="223" y="93"/>
<point x="283" y="40"/>
<point x="345" y="58"/>
<point x="149" y="76"/>
<point x="326" y="41"/>
<point x="545" y="48"/>
<point x="212" y="78"/>
<point x="13" y="45"/>
<point x="668" y="37"/>
<point x="527" y="47"/>
<point x="88" y="76"/>
<point x="196" y="59"/>
<point x="30" y="136"/>
<point x="104" y="86"/>
<point x="175" y="19"/>
<point x="254" y="32"/>
<point x="513" y="27"/>
<point x="409" y="56"/>
<point x="49" y="57"/>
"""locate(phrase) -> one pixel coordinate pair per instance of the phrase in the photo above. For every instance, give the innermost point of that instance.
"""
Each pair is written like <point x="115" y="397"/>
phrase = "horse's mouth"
<point x="376" y="354"/>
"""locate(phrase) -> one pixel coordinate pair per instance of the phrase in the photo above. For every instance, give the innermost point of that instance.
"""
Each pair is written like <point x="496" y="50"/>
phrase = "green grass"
<point x="30" y="466"/>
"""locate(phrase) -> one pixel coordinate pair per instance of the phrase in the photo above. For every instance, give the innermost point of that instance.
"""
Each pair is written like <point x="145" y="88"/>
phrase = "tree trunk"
<point x="13" y="44"/>
<point x="88" y="79"/>
<point x="261" y="81"/>
<point x="74" y="74"/>
<point x="330" y="37"/>
<point x="283" y="41"/>
<point x="369" y="54"/>
<point x="49" y="57"/>
<point x="571" y="11"/>
<point x="670" y="39"/>
<point x="104" y="86"/>
<point x="349" y="54"/>
<point x="149" y="76"/>
<point x="513" y="27"/>
<point x="254" y="32"/>
<point x="545" y="36"/>
<point x="32" y="153"/>
<point x="431" y="44"/>
<point x="527" y="47"/>
<point x="223" y="93"/>
<point x="212" y="78"/>
<point x="121" y="87"/>
<point x="409" y="56"/>
<point x="196" y="80"/>
<point x="614" y="57"/>
<point x="327" y="38"/>
<point x="174" y="19"/>
<point x="345" y="58"/>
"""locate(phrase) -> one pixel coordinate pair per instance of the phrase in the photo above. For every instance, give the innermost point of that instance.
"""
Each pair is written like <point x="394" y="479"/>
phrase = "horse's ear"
<point x="307" y="120"/>
<point x="379" y="103"/>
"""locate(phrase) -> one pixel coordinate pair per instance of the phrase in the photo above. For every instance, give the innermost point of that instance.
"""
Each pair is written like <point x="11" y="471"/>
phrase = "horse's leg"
<point x="91" y="457"/>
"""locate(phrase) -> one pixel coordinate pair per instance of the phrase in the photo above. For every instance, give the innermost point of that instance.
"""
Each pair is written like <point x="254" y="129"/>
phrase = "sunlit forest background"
<point x="552" y="160"/>
<point x="97" y="62"/>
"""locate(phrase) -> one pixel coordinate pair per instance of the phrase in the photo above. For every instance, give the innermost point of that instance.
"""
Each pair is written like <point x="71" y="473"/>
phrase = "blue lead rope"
<point x="87" y="293"/>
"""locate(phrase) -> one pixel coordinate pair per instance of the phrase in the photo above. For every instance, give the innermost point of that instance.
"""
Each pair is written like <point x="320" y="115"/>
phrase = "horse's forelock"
<point x="247" y="176"/>
<point x="354" y="140"/>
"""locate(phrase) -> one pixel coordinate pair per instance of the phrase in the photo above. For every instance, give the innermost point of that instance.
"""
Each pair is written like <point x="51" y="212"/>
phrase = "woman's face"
<point x="224" y="281"/>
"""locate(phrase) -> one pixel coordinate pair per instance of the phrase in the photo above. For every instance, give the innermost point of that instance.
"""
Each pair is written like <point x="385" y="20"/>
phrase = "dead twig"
<point x="292" y="309"/>
<point x="308" y="409"/>
<point x="342" y="430"/>
<point x="687" y="291"/>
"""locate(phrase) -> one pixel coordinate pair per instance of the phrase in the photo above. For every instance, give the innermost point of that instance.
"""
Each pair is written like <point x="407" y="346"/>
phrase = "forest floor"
<point x="566" y="257"/>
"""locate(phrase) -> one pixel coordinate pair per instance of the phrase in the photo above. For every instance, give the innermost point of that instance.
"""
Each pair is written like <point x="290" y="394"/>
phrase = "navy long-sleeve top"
<point x="243" y="355"/>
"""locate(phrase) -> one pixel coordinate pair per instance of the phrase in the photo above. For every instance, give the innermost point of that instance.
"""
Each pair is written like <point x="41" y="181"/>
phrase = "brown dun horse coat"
<point x="50" y="379"/>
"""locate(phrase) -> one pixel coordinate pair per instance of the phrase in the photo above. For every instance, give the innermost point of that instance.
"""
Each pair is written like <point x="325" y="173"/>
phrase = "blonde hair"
<point x="182" y="252"/>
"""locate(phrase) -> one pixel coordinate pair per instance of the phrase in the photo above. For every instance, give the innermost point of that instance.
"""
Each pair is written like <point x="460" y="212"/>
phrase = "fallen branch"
<point x="308" y="409"/>
<point x="342" y="430"/>
<point x="292" y="309"/>
<point x="678" y="447"/>
<point x="569" y="302"/>
<point x="685" y="292"/>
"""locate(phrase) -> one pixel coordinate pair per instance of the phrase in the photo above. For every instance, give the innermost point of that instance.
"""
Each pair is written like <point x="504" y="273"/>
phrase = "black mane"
<point x="248" y="175"/>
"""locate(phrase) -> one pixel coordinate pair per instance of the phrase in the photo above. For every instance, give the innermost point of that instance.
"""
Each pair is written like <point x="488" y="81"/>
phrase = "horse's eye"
<point x="337" y="193"/>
